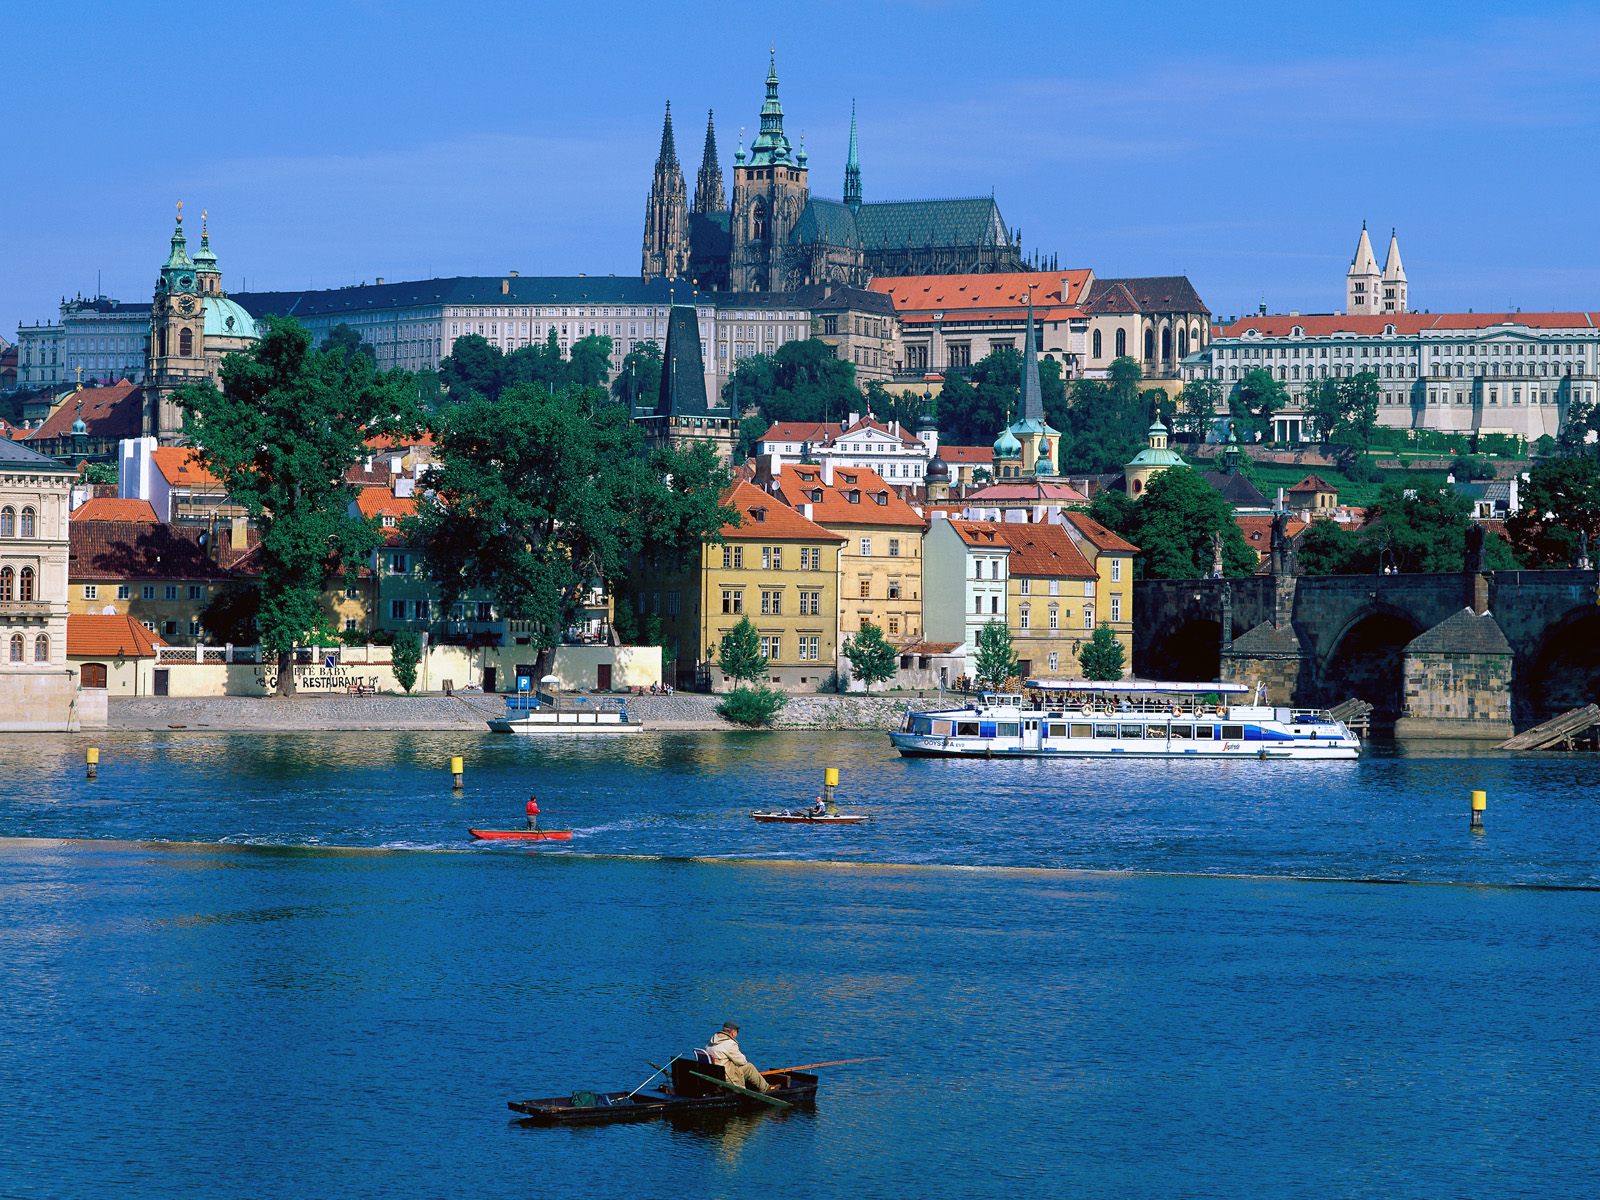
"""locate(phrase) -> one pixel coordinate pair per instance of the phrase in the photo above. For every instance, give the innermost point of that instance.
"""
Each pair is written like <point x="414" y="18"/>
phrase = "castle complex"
<point x="777" y="236"/>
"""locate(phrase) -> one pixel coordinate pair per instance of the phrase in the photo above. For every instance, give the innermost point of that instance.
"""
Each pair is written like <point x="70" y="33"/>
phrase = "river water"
<point x="1154" y="979"/>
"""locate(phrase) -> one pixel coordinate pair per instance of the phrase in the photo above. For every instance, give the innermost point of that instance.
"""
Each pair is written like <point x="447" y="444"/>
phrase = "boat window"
<point x="1078" y="731"/>
<point x="986" y="729"/>
<point x="1183" y="732"/>
<point x="1155" y="731"/>
<point x="1202" y="733"/>
<point x="967" y="729"/>
<point x="942" y="728"/>
<point x="1007" y="729"/>
<point x="1133" y="731"/>
<point x="1233" y="733"/>
<point x="1060" y="730"/>
<point x="1105" y="731"/>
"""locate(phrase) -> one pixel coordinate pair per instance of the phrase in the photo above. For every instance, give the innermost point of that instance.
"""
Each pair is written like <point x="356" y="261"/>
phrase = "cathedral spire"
<point x="669" y="147"/>
<point x="666" y="214"/>
<point x="852" y="165"/>
<point x="709" y="196"/>
<point x="771" y="144"/>
<point x="1032" y="392"/>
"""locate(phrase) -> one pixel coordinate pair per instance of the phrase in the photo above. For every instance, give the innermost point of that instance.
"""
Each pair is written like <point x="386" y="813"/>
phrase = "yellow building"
<point x="777" y="568"/>
<point x="1111" y="556"/>
<point x="1051" y="600"/>
<point x="880" y="561"/>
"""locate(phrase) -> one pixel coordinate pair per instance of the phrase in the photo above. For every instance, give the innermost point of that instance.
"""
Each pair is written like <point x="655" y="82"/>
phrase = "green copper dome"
<point x="1006" y="446"/>
<point x="224" y="318"/>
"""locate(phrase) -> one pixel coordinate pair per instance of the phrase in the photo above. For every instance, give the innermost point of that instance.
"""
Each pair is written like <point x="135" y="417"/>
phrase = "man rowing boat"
<point x="724" y="1051"/>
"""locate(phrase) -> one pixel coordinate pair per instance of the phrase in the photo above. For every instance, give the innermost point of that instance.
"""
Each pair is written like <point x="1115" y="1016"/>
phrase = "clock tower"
<point x="177" y="339"/>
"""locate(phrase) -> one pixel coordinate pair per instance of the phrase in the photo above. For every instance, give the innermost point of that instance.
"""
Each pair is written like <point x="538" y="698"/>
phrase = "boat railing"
<point x="527" y="702"/>
<point x="1137" y="705"/>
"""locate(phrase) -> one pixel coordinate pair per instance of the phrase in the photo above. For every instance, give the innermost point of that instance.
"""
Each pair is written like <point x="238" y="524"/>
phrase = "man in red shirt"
<point x="533" y="813"/>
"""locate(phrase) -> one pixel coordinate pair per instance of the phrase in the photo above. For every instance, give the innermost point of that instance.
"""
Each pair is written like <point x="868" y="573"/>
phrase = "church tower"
<point x="177" y="336"/>
<point x="1363" y="280"/>
<point x="1394" y="278"/>
<point x="709" y="196"/>
<point x="666" y="214"/>
<point x="852" y="165"/>
<point x="769" y="191"/>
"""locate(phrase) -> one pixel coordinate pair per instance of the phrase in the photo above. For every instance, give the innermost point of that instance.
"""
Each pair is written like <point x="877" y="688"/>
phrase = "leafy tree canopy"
<point x="1560" y="509"/>
<point x="1253" y="402"/>
<point x="407" y="654"/>
<point x="871" y="656"/>
<point x="740" y="655"/>
<point x="538" y="496"/>
<point x="1425" y="529"/>
<point x="1102" y="655"/>
<point x="638" y="384"/>
<point x="1197" y="411"/>
<point x="1173" y="524"/>
<point x="477" y="367"/>
<point x="993" y="660"/>
<point x="976" y="403"/>
<point x="803" y="381"/>
<point x="1329" y="548"/>
<point x="1107" y="422"/>
<point x="347" y="341"/>
<point x="285" y="427"/>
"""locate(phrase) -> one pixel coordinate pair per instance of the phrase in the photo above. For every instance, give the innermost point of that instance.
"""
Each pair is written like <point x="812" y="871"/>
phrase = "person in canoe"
<point x="819" y="809"/>
<point x="533" y="812"/>
<point x="724" y="1051"/>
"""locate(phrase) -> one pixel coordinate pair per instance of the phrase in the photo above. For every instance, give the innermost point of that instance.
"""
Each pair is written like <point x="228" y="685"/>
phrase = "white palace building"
<point x="1513" y="373"/>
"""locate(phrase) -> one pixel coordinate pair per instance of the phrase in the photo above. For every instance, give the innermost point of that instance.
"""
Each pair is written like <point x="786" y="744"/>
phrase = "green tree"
<point x="230" y="615"/>
<point x="474" y="367"/>
<point x="638" y="384"/>
<point x="101" y="474"/>
<point x="1174" y="523"/>
<point x="541" y="365"/>
<point x="1324" y="404"/>
<point x="1329" y="548"/>
<point x="347" y="341"/>
<point x="280" y="434"/>
<point x="803" y="381"/>
<point x="1254" y="401"/>
<point x="537" y="496"/>
<point x="871" y="656"/>
<point x="1197" y="411"/>
<point x="1359" y="397"/>
<point x="590" y="361"/>
<point x="1102" y="655"/>
<point x="407" y="654"/>
<point x="1105" y="425"/>
<point x="740" y="655"/>
<point x="1560" y="510"/>
<point x="751" y="430"/>
<point x="905" y="406"/>
<point x="752" y="706"/>
<point x="993" y="662"/>
<point x="1425" y="529"/>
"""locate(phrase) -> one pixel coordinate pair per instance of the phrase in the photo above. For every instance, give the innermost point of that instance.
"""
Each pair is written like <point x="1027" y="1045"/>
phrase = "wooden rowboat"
<point x="804" y="818"/>
<point x="691" y="1092"/>
<point x="522" y="835"/>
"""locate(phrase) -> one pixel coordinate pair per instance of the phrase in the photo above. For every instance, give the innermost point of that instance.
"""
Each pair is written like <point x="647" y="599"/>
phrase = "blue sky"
<point x="1241" y="144"/>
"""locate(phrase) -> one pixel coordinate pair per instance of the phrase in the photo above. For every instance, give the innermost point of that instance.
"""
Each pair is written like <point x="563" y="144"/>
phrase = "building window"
<point x="186" y="343"/>
<point x="91" y="591"/>
<point x="399" y="564"/>
<point x="866" y="547"/>
<point x="8" y="521"/>
<point x="771" y="604"/>
<point x="196" y="592"/>
<point x="738" y="558"/>
<point x="349" y="624"/>
<point x="1024" y="586"/>
<point x="894" y="624"/>
<point x="148" y="591"/>
<point x="29" y="523"/>
<point x="994" y="604"/>
<point x="672" y="604"/>
<point x="1055" y="617"/>
<point x="1097" y="351"/>
<point x="1122" y="343"/>
<point x="420" y="610"/>
<point x="1116" y="609"/>
<point x="1053" y="660"/>
<point x="16" y="647"/>
<point x="171" y="628"/>
<point x="894" y="589"/>
<point x="124" y="591"/>
<point x="7" y="582"/>
<point x="894" y="547"/>
<point x="1116" y="570"/>
<point x="1088" y="616"/>
<point x="41" y="648"/>
<point x="1023" y="617"/>
<point x="25" y="584"/>
<point x="194" y="627"/>
<point x="397" y="610"/>
<point x="172" y="591"/>
<point x="727" y="558"/>
<point x="766" y="558"/>
<point x="770" y="646"/>
<point x="810" y="646"/>
<point x="959" y="354"/>
<point x="865" y="588"/>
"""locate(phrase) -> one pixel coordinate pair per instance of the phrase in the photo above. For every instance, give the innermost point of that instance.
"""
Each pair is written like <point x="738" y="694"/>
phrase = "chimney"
<point x="378" y="281"/>
<point x="514" y="274"/>
<point x="827" y="470"/>
<point x="851" y="419"/>
<point x="805" y="511"/>
<point x="774" y="465"/>
<point x="238" y="534"/>
<point x="505" y="287"/>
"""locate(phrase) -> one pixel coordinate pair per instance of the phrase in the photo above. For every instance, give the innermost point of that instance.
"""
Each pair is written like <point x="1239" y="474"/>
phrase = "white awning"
<point x="1133" y="686"/>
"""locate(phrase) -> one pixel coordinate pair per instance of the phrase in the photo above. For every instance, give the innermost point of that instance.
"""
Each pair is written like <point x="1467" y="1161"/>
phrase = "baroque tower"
<point x="769" y="192"/>
<point x="709" y="196"/>
<point x="1363" y="280"/>
<point x="1394" y="278"/>
<point x="666" y="214"/>
<point x="177" y="335"/>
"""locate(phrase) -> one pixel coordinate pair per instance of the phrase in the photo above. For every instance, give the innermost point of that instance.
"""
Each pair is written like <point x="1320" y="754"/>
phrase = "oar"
<point x="653" y="1074"/>
<point x="838" y="1062"/>
<point x="744" y="1091"/>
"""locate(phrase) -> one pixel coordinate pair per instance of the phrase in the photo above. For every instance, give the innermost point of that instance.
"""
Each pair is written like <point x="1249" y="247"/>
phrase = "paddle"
<point x="744" y="1091"/>
<point x="838" y="1062"/>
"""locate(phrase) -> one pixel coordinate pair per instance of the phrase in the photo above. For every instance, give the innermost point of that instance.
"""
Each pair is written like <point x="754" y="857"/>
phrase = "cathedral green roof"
<point x="907" y="224"/>
<point x="828" y="222"/>
<point x="224" y="318"/>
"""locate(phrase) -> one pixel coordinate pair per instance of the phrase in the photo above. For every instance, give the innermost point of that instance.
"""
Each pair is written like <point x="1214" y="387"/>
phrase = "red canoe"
<point x="522" y="835"/>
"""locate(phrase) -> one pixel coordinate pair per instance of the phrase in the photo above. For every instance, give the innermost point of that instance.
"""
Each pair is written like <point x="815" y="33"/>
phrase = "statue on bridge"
<point x="1216" y="555"/>
<point x="1283" y="552"/>
<point x="1583" y="551"/>
<point x="1474" y="562"/>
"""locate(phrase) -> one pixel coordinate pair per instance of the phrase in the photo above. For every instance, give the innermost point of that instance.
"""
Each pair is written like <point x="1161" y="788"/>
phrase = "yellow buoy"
<point x="1480" y="802"/>
<point x="92" y="759"/>
<point x="830" y="777"/>
<point x="457" y="769"/>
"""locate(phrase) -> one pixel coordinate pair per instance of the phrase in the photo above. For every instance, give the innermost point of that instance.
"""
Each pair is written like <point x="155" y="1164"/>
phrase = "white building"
<point x="41" y="356"/>
<point x="898" y="456"/>
<point x="963" y="579"/>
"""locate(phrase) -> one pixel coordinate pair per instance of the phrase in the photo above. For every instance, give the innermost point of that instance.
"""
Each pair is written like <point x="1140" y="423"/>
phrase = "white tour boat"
<point x="545" y="713"/>
<point x="1082" y="719"/>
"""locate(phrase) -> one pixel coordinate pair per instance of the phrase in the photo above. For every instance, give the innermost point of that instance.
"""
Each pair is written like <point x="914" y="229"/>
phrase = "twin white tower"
<point x="1369" y="291"/>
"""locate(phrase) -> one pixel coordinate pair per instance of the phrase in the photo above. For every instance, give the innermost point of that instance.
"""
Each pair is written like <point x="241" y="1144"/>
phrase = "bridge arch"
<point x="1188" y="653"/>
<point x="1365" y="661"/>
<point x="1563" y="671"/>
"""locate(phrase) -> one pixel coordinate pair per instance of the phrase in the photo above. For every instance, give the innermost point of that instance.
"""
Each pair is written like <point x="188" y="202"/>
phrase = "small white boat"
<point x="803" y="817"/>
<point x="1129" y="718"/>
<point x="544" y="713"/>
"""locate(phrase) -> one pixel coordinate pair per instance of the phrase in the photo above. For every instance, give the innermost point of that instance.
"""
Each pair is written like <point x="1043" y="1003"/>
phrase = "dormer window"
<point x="758" y="515"/>
<point x="816" y="495"/>
<point x="388" y="521"/>
<point x="853" y="496"/>
<point x="880" y="497"/>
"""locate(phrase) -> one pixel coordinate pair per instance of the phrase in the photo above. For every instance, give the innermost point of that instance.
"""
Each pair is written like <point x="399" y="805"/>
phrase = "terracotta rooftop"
<point x="1008" y="290"/>
<point x="767" y="518"/>
<point x="966" y="454"/>
<point x="112" y="508"/>
<point x="181" y="467"/>
<point x="382" y="505"/>
<point x="1098" y="536"/>
<point x="1040" y="491"/>
<point x="1325" y="324"/>
<point x="135" y="550"/>
<point x="1044" y="549"/>
<point x="105" y="636"/>
<point x="1313" y="483"/>
<point x="825" y="432"/>
<point x="982" y="534"/>
<point x="110" y="412"/>
<point x="875" y="502"/>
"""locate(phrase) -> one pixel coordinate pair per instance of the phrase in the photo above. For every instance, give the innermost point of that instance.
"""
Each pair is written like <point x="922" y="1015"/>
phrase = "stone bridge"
<point x="1465" y="654"/>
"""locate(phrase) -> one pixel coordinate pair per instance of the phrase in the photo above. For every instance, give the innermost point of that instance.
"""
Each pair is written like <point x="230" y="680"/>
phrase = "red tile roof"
<point x="379" y="503"/>
<point x="135" y="550"/>
<point x="966" y="454"/>
<point x="1313" y="483"/>
<point x="823" y="433"/>
<point x="1039" y="491"/>
<point x="111" y="508"/>
<point x="767" y="518"/>
<point x="109" y="412"/>
<point x="983" y="534"/>
<point x="1324" y="324"/>
<point x="103" y="636"/>
<point x="1042" y="549"/>
<point x="1007" y="291"/>
<point x="1098" y="536"/>
<point x="181" y="467"/>
<point x="832" y="505"/>
<point x="1257" y="531"/>
<point x="387" y="441"/>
